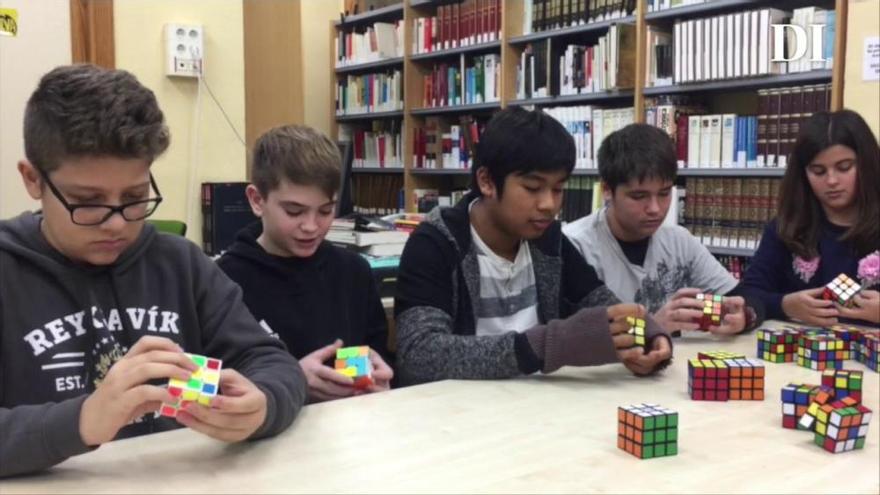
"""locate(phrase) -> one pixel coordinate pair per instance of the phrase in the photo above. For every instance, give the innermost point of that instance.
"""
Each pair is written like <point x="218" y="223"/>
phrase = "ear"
<point x="258" y="203"/>
<point x="607" y="192"/>
<point x="485" y="183"/>
<point x="33" y="181"/>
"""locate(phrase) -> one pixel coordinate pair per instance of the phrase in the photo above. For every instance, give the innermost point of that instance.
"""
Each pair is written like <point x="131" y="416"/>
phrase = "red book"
<point x="681" y="138"/>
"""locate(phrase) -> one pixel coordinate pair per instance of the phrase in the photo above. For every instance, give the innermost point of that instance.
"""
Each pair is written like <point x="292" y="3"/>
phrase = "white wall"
<point x="138" y="26"/>
<point x="43" y="42"/>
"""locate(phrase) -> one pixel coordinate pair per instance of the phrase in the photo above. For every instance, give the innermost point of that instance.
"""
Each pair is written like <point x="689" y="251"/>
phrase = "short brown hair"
<point x="301" y="155"/>
<point x="81" y="110"/>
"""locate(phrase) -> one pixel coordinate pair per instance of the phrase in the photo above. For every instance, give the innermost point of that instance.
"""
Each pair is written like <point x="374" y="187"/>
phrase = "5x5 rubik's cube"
<point x="647" y="430"/>
<point x="202" y="387"/>
<point x="354" y="362"/>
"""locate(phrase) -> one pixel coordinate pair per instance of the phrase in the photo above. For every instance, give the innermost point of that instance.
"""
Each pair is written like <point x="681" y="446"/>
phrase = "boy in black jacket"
<point x="317" y="297"/>
<point x="490" y="288"/>
<point x="96" y="308"/>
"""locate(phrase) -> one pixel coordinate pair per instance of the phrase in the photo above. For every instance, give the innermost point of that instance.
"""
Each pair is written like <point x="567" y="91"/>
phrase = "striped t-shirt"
<point x="508" y="296"/>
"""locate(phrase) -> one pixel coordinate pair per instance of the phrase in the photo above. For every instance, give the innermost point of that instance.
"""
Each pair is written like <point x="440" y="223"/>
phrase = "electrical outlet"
<point x="184" y="50"/>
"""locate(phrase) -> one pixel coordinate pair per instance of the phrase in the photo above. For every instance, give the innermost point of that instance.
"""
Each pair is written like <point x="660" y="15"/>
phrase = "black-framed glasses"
<point x="89" y="214"/>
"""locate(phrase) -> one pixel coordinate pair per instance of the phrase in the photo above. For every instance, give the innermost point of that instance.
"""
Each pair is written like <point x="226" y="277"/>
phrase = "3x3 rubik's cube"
<point x="833" y="412"/>
<point x="796" y="398"/>
<point x="821" y="349"/>
<point x="737" y="378"/>
<point x="841" y="290"/>
<point x="202" y="386"/>
<point x="647" y="430"/>
<point x="838" y="425"/>
<point x="713" y="310"/>
<point x="867" y="351"/>
<point x="844" y="383"/>
<point x="354" y="362"/>
<point x="777" y="345"/>
<point x="636" y="329"/>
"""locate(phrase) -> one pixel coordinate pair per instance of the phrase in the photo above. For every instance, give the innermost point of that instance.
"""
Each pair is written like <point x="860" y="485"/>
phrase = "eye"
<point x="531" y="189"/>
<point x="844" y="166"/>
<point x="294" y="213"/>
<point x="817" y="170"/>
<point x="326" y="212"/>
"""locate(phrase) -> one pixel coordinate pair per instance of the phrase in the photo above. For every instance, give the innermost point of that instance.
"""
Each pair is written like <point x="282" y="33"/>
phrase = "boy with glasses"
<point x="96" y="308"/>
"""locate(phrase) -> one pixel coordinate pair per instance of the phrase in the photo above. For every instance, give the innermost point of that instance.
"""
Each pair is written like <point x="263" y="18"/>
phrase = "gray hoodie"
<point x="62" y="325"/>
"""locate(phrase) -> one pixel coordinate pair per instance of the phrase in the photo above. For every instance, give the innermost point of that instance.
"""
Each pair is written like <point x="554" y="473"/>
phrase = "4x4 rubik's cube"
<point x="842" y="290"/>
<point x="202" y="387"/>
<point x="647" y="430"/>
<point x="713" y="310"/>
<point x="354" y="362"/>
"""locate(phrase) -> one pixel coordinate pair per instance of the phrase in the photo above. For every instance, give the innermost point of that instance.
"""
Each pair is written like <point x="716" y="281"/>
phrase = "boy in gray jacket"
<point x="96" y="308"/>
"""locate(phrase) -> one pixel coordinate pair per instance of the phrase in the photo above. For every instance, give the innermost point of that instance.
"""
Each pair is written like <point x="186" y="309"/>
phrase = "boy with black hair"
<point x="316" y="296"/>
<point x="97" y="308"/>
<point x="490" y="288"/>
<point x="640" y="259"/>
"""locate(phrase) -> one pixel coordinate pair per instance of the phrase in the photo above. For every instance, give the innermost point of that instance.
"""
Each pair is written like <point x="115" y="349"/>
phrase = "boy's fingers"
<point x="628" y="309"/>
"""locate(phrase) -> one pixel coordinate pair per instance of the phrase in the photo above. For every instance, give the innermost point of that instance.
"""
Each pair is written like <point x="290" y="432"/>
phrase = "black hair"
<point x="519" y="141"/>
<point x="637" y="151"/>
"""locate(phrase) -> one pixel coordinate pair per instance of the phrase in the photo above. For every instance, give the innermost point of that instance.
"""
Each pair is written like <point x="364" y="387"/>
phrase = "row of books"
<point x="730" y="212"/>
<point x="658" y="5"/>
<point x="545" y="71"/>
<point x="377" y="194"/>
<point x="588" y="126"/>
<point x="736" y="45"/>
<point x="362" y="93"/>
<point x="472" y="80"/>
<point x="545" y="15"/>
<point x="730" y="140"/>
<point x="736" y="265"/>
<point x="581" y="196"/>
<point x="449" y="146"/>
<point x="379" y="146"/>
<point x="380" y="41"/>
<point x="467" y="23"/>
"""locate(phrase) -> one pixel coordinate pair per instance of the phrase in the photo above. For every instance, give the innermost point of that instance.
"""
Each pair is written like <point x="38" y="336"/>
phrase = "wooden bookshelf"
<point x="510" y="47"/>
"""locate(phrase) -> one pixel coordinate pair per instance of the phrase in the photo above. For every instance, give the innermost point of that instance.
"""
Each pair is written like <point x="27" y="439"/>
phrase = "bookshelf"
<point x="724" y="95"/>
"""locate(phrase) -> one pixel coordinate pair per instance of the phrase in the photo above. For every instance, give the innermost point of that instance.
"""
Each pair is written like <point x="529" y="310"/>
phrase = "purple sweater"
<point x="771" y="275"/>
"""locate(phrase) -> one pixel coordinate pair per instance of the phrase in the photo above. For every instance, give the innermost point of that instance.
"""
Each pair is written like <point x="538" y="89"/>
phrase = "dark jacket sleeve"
<point x="764" y="276"/>
<point x="429" y="347"/>
<point x="230" y="332"/>
<point x="376" y="323"/>
<point x="752" y="301"/>
<point x="36" y="437"/>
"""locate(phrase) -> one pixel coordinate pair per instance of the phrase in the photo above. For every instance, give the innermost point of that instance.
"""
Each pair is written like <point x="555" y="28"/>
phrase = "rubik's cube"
<point x="647" y="430"/>
<point x="719" y="355"/>
<point x="845" y="383"/>
<point x="636" y="329"/>
<point x="851" y="335"/>
<point x="796" y="398"/>
<point x="777" y="345"/>
<point x="823" y="397"/>
<point x="713" y="310"/>
<point x="202" y="386"/>
<point x="842" y="426"/>
<point x="746" y="379"/>
<point x="869" y="351"/>
<point x="708" y="379"/>
<point x="354" y="362"/>
<point x="821" y="351"/>
<point x="841" y="290"/>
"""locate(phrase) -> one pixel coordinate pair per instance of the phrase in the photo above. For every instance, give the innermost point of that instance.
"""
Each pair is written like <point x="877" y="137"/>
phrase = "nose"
<point x="832" y="178"/>
<point x="115" y="223"/>
<point x="653" y="206"/>
<point x="309" y="223"/>
<point x="546" y="201"/>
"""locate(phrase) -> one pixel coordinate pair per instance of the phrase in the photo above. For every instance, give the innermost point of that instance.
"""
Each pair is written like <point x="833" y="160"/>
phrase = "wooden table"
<point x="553" y="433"/>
